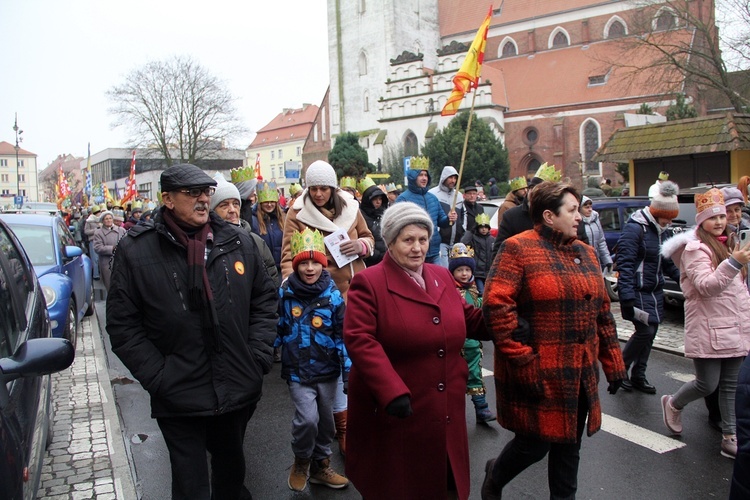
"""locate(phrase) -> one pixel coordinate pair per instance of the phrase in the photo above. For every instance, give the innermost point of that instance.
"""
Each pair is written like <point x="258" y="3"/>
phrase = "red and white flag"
<point x="131" y="189"/>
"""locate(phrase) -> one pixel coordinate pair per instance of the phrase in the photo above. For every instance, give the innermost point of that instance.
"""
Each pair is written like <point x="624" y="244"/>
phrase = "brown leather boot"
<point x="340" y="419"/>
<point x="299" y="474"/>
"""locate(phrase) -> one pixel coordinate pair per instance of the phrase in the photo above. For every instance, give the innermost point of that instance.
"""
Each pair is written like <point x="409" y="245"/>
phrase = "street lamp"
<point x="19" y="139"/>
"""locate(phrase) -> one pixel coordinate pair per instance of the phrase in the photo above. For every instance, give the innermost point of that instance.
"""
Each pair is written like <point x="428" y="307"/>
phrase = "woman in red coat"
<point x="404" y="328"/>
<point x="547" y="380"/>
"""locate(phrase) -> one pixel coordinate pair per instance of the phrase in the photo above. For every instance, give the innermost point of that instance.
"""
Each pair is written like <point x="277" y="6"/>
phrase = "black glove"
<point x="346" y="387"/>
<point x="627" y="308"/>
<point x="614" y="385"/>
<point x="399" y="407"/>
<point x="522" y="333"/>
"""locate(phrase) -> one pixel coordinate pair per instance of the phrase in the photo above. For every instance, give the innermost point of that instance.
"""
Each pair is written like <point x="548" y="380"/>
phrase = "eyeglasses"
<point x="196" y="192"/>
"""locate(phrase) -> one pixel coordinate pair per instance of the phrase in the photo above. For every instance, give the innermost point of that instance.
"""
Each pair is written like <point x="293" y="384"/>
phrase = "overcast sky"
<point x="60" y="57"/>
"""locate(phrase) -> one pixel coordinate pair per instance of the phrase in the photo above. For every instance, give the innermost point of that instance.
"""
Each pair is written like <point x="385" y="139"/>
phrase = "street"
<point x="632" y="457"/>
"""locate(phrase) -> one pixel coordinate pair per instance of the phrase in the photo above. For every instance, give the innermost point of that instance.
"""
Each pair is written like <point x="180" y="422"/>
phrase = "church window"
<point x="362" y="64"/>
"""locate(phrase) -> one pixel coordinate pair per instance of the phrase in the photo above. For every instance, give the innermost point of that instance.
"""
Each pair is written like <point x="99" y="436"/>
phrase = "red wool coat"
<point x="404" y="340"/>
<point x="557" y="287"/>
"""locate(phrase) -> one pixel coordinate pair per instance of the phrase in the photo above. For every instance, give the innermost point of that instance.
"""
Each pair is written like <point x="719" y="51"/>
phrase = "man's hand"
<point x="452" y="216"/>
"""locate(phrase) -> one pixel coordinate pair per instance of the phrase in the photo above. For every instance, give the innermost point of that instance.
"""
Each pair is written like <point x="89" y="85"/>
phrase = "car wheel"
<point x="90" y="310"/>
<point x="71" y="328"/>
<point x="611" y="286"/>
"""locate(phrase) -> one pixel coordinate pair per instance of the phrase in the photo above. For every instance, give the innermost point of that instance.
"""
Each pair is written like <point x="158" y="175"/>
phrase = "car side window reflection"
<point x="12" y="275"/>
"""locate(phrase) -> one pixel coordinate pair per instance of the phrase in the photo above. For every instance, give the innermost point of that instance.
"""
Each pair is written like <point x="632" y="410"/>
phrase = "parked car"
<point x="615" y="212"/>
<point x="63" y="269"/>
<point x="27" y="356"/>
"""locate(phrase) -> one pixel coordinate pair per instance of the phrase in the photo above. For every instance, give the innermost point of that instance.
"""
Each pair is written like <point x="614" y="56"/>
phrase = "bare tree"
<point x="178" y="107"/>
<point x="676" y="46"/>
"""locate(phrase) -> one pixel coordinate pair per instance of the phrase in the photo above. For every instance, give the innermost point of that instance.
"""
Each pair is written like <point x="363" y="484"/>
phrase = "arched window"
<point x="532" y="167"/>
<point x="366" y="102"/>
<point x="665" y="20"/>
<point x="411" y="145"/>
<point x="559" y="38"/>
<point x="616" y="29"/>
<point x="362" y="6"/>
<point x="508" y="48"/>
<point x="590" y="144"/>
<point x="362" y="64"/>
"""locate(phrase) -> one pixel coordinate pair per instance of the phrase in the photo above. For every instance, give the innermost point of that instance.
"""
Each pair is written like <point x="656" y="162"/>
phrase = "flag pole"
<point x="463" y="153"/>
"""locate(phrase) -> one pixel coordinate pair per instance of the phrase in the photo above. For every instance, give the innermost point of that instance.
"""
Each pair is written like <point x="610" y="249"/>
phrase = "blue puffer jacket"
<point x="311" y="333"/>
<point x="430" y="203"/>
<point x="274" y="233"/>
<point x="641" y="266"/>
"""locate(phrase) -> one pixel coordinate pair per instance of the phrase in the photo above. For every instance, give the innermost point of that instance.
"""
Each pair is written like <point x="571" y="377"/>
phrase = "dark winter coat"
<point x="641" y="266"/>
<point x="312" y="334"/>
<point x="472" y="210"/>
<point x="515" y="221"/>
<point x="190" y="369"/>
<point x="482" y="246"/>
<point x="274" y="236"/>
<point x="372" y="216"/>
<point x="740" y="489"/>
<point x="430" y="203"/>
<point x="403" y="340"/>
<point x="557" y="287"/>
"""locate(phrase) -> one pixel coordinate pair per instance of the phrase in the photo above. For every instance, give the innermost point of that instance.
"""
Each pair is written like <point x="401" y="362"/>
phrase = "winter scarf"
<point x="309" y="291"/>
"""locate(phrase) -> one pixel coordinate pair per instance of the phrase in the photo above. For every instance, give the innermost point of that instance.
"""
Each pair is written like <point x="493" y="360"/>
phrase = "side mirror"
<point x="72" y="251"/>
<point x="37" y="357"/>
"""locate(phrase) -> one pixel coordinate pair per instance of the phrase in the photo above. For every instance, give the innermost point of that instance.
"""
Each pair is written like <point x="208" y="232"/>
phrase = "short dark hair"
<point x="548" y="196"/>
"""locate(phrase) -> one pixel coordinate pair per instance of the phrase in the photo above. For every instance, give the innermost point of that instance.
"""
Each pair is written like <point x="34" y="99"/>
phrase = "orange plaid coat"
<point x="557" y="287"/>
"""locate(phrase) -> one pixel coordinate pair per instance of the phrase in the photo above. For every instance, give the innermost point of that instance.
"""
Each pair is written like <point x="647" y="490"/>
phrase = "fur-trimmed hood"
<point x="674" y="246"/>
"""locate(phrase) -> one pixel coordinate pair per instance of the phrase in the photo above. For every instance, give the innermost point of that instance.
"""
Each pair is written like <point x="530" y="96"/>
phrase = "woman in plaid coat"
<point x="548" y="285"/>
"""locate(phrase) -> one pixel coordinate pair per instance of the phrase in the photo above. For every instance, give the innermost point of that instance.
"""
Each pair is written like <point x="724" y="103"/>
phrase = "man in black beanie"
<point x="202" y="349"/>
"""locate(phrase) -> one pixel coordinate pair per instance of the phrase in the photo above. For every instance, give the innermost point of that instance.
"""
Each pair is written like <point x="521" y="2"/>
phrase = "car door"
<point x="24" y="401"/>
<point x="73" y="268"/>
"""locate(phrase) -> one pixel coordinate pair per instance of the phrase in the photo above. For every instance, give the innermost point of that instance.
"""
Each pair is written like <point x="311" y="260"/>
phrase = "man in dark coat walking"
<point x="201" y="349"/>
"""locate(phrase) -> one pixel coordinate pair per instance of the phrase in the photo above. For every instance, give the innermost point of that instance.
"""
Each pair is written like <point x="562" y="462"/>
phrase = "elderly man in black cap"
<point x="201" y="349"/>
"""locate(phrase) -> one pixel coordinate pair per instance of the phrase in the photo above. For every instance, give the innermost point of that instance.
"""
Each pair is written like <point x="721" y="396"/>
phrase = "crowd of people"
<point x="325" y="281"/>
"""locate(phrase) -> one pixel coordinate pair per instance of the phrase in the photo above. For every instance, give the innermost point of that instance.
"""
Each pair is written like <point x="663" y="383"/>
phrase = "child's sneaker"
<point x="729" y="446"/>
<point x="482" y="409"/>
<point x="322" y="473"/>
<point x="672" y="416"/>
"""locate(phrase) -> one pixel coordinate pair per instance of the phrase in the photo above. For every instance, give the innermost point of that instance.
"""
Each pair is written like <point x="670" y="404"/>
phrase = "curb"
<point x="122" y="472"/>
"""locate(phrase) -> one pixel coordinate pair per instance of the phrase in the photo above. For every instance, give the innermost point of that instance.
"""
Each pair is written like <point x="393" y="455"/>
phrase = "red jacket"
<point x="404" y="340"/>
<point x="557" y="287"/>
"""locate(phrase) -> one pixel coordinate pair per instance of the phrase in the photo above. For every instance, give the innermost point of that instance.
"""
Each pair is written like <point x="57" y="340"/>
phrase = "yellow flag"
<point x="468" y="75"/>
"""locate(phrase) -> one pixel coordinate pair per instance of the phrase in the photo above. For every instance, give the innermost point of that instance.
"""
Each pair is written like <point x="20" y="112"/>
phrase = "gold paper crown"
<point x="136" y="204"/>
<point x="240" y="174"/>
<point x="348" y="183"/>
<point x="307" y="241"/>
<point x="267" y="192"/>
<point x="482" y="220"/>
<point x="663" y="176"/>
<point x="518" y="183"/>
<point x="461" y="250"/>
<point x="364" y="183"/>
<point x="710" y="198"/>
<point x="390" y="187"/>
<point x="294" y="188"/>
<point x="419" y="163"/>
<point x="548" y="173"/>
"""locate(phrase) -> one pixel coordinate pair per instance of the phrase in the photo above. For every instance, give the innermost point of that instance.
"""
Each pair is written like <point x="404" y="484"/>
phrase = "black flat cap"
<point x="470" y="187"/>
<point x="184" y="175"/>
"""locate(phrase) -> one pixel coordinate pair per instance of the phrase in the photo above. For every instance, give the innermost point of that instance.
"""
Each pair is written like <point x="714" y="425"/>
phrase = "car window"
<point x="630" y="211"/>
<point x="63" y="233"/>
<point x="12" y="274"/>
<point x="609" y="219"/>
<point x="37" y="241"/>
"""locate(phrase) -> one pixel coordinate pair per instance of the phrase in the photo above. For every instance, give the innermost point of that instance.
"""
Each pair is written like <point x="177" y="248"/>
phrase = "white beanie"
<point x="320" y="173"/>
<point x="224" y="190"/>
<point x="400" y="215"/>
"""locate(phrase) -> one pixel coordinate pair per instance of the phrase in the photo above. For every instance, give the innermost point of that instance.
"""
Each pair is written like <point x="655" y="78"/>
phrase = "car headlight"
<point x="50" y="296"/>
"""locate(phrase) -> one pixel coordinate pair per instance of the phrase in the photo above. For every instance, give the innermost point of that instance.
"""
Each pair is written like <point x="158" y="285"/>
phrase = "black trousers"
<point x="638" y="349"/>
<point x="189" y="438"/>
<point x="562" y="467"/>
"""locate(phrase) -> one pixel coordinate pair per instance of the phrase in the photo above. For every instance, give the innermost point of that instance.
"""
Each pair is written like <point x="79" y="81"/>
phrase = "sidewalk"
<point x="87" y="457"/>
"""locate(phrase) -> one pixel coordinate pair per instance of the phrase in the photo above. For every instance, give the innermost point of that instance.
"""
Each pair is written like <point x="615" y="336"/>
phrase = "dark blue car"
<point x="27" y="356"/>
<point x="64" y="271"/>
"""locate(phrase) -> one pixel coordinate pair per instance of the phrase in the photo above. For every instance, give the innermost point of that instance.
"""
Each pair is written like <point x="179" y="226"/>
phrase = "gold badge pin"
<point x="317" y="322"/>
<point x="296" y="311"/>
<point x="240" y="268"/>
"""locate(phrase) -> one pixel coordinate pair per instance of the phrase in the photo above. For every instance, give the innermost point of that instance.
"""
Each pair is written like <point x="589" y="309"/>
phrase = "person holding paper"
<point x="713" y="268"/>
<point x="325" y="207"/>
<point x="640" y="281"/>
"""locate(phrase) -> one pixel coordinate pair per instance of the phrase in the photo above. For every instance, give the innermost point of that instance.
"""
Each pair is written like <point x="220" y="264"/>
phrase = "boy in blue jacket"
<point x="310" y="332"/>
